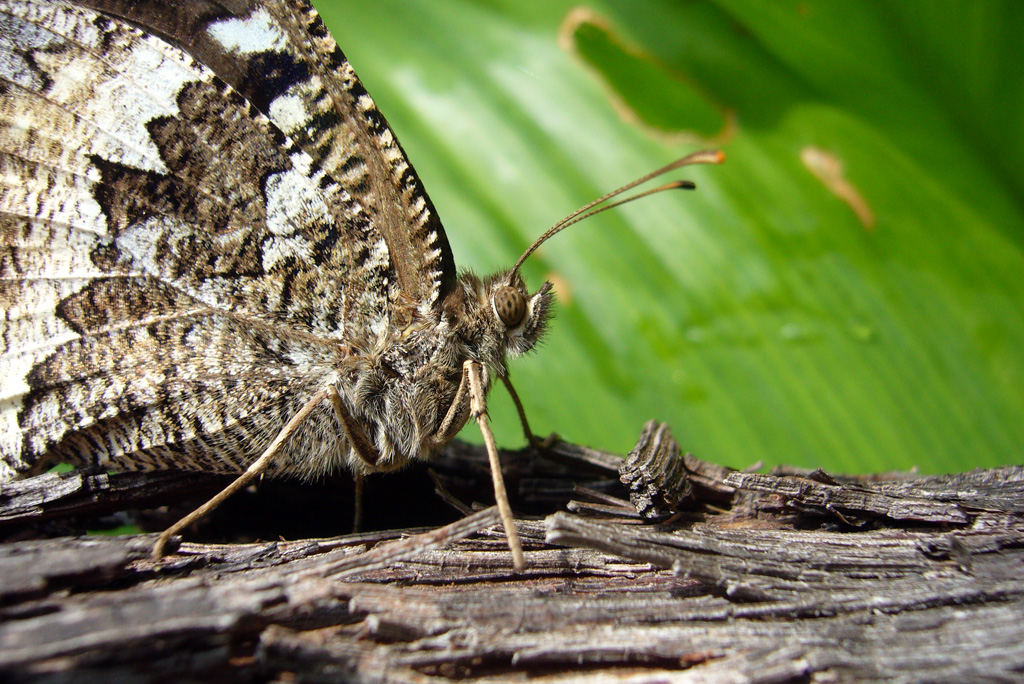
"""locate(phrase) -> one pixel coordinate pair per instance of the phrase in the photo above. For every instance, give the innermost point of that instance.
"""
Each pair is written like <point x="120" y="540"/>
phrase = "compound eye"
<point x="510" y="305"/>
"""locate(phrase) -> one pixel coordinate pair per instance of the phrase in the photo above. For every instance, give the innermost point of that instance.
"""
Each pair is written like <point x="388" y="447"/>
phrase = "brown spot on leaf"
<point x="563" y="293"/>
<point x="662" y="100"/>
<point x="828" y="169"/>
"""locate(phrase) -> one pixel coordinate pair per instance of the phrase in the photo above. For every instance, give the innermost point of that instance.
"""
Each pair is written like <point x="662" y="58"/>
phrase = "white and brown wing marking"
<point x="201" y="212"/>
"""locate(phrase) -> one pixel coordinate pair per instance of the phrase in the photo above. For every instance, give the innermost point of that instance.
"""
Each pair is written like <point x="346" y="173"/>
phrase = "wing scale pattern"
<point x="178" y="177"/>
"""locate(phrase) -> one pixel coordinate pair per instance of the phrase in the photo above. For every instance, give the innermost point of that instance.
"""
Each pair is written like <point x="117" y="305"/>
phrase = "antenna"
<point x="588" y="210"/>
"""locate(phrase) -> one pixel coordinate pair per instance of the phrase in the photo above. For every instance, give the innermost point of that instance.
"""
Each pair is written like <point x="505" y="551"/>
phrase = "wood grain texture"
<point x="754" y="580"/>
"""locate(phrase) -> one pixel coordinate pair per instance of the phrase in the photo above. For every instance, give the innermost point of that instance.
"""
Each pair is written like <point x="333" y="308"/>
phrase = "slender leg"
<point x="357" y="519"/>
<point x="356" y="438"/>
<point x="450" y="424"/>
<point x="479" y="409"/>
<point x="530" y="437"/>
<point x="258" y="467"/>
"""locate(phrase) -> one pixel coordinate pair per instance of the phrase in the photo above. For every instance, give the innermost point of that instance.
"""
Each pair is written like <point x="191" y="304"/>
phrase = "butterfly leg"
<point x="534" y="441"/>
<point x="357" y="438"/>
<point x="473" y="373"/>
<point x="360" y="485"/>
<point x="455" y="418"/>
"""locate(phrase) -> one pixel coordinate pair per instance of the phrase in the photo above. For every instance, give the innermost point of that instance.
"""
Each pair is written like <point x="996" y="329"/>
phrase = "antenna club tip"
<point x="702" y="157"/>
<point x="707" y="157"/>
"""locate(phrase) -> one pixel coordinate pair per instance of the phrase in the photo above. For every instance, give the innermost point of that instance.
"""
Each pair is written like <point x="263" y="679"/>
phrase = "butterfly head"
<point x="524" y="317"/>
<point x="497" y="317"/>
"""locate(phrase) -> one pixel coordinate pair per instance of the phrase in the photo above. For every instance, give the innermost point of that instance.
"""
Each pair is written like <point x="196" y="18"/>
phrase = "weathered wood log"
<point x="794" y="576"/>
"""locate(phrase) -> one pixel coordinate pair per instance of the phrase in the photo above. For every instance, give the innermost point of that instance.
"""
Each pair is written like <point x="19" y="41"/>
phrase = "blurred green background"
<point x="844" y="292"/>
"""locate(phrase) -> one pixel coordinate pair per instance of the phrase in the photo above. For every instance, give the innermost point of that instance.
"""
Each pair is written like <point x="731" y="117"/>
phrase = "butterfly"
<point x="215" y="255"/>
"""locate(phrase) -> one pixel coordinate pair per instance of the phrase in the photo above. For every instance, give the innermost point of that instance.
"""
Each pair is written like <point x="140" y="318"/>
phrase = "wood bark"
<point x="672" y="570"/>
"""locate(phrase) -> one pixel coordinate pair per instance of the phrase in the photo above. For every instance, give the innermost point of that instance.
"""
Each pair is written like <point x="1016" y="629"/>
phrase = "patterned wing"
<point x="180" y="266"/>
<point x="281" y="58"/>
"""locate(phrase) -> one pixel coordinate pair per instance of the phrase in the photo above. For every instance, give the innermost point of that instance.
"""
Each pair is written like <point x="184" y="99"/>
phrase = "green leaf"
<point x="844" y="292"/>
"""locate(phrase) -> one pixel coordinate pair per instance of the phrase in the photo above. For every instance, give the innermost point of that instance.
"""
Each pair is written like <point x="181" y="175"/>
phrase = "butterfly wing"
<point x="185" y="256"/>
<point x="284" y="61"/>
